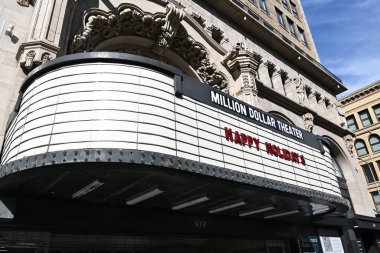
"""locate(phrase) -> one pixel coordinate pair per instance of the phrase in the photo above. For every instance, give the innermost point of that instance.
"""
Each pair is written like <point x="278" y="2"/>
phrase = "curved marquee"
<point x="105" y="101"/>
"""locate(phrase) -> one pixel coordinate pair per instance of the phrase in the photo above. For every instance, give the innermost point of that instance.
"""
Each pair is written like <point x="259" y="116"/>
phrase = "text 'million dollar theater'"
<point x="158" y="126"/>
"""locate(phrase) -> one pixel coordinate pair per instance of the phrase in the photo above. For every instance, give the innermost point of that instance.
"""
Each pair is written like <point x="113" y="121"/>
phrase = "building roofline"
<point x="252" y="23"/>
<point x="360" y="93"/>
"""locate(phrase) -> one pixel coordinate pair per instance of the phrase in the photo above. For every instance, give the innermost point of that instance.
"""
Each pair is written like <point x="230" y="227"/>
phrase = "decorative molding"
<point x="166" y="30"/>
<point x="216" y="33"/>
<point x="349" y="140"/>
<point x="26" y="3"/>
<point x="199" y="19"/>
<point x="33" y="54"/>
<point x="240" y="59"/>
<point x="172" y="22"/>
<point x="341" y="115"/>
<point x="308" y="120"/>
<point x="361" y="93"/>
<point x="147" y="158"/>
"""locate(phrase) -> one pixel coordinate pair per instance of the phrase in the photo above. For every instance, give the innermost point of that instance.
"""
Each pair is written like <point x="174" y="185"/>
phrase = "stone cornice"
<point x="361" y="93"/>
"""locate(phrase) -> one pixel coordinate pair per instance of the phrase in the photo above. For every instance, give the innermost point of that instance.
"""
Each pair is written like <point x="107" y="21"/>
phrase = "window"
<point x="351" y="123"/>
<point x="360" y="147"/>
<point x="376" y="200"/>
<point x="374" y="141"/>
<point x="285" y="3"/>
<point x="370" y="173"/>
<point x="263" y="6"/>
<point x="294" y="9"/>
<point x="291" y="27"/>
<point x="302" y="35"/>
<point x="280" y="18"/>
<point x="365" y="118"/>
<point x="376" y="110"/>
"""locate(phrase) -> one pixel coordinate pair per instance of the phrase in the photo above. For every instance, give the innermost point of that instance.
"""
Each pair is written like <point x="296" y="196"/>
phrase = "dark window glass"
<point x="376" y="200"/>
<point x="370" y="173"/>
<point x="360" y="147"/>
<point x="351" y="123"/>
<point x="285" y="3"/>
<point x="302" y="35"/>
<point x="294" y="9"/>
<point x="263" y="5"/>
<point x="365" y="118"/>
<point x="291" y="27"/>
<point x="374" y="141"/>
<point x="376" y="110"/>
<point x="280" y="18"/>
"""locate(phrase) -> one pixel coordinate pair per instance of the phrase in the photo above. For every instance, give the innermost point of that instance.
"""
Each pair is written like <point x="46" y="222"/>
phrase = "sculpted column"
<point x="278" y="80"/>
<point x="263" y="73"/>
<point x="243" y="66"/>
<point x="48" y="32"/>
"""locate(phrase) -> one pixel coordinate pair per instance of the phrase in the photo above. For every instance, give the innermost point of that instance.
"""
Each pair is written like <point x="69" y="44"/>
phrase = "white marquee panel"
<point x="120" y="106"/>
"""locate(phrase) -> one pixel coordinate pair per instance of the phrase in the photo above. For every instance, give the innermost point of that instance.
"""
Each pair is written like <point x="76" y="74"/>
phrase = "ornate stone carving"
<point x="172" y="22"/>
<point x="349" y="140"/>
<point x="24" y="3"/>
<point x="129" y="21"/>
<point x="301" y="90"/>
<point x="342" y="117"/>
<point x="240" y="60"/>
<point x="308" y="120"/>
<point x="165" y="30"/>
<point x="46" y="57"/>
<point x="216" y="33"/>
<point x="29" y="59"/>
<point x="199" y="19"/>
<point x="32" y="54"/>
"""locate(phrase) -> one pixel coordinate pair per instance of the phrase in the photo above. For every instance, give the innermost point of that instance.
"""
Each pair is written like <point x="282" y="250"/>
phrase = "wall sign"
<point x="272" y="149"/>
<point x="222" y="101"/>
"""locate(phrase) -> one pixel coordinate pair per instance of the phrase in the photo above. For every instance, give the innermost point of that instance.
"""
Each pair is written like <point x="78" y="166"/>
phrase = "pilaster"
<point x="44" y="40"/>
<point x="243" y="66"/>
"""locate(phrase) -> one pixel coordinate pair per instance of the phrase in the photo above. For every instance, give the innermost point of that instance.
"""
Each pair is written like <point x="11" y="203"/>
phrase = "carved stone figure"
<point x="45" y="58"/>
<point x="172" y="21"/>
<point x="308" y="120"/>
<point x="301" y="90"/>
<point x="29" y="59"/>
<point x="349" y="140"/>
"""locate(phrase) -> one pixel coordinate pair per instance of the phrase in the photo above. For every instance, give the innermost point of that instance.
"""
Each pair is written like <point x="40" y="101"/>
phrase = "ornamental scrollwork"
<point x="308" y="120"/>
<point x="349" y="140"/>
<point x="164" y="29"/>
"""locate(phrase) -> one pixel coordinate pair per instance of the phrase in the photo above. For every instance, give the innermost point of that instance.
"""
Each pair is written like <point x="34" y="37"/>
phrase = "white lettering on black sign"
<point x="254" y="114"/>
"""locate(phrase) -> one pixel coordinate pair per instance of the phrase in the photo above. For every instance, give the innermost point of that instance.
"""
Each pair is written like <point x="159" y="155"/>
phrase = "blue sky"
<point x="347" y="37"/>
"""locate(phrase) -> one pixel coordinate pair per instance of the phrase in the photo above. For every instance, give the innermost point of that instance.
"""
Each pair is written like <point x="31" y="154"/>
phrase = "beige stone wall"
<point x="11" y="76"/>
<point x="365" y="99"/>
<point x="287" y="13"/>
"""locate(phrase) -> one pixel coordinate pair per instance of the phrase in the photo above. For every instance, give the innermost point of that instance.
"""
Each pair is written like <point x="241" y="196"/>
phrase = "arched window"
<point x="374" y="141"/>
<point x="360" y="147"/>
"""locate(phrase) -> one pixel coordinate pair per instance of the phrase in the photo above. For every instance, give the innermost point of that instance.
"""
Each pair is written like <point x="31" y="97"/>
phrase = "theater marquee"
<point x="101" y="104"/>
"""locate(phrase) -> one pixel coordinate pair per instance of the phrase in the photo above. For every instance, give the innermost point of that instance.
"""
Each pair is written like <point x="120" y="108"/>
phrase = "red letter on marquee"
<point x="243" y="139"/>
<point x="257" y="142"/>
<point x="250" y="141"/>
<point x="303" y="162"/>
<point x="228" y="134"/>
<point x="295" y="157"/>
<point x="237" y="138"/>
<point x="269" y="148"/>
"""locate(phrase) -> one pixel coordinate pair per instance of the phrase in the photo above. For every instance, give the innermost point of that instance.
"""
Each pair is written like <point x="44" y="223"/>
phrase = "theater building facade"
<point x="165" y="126"/>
